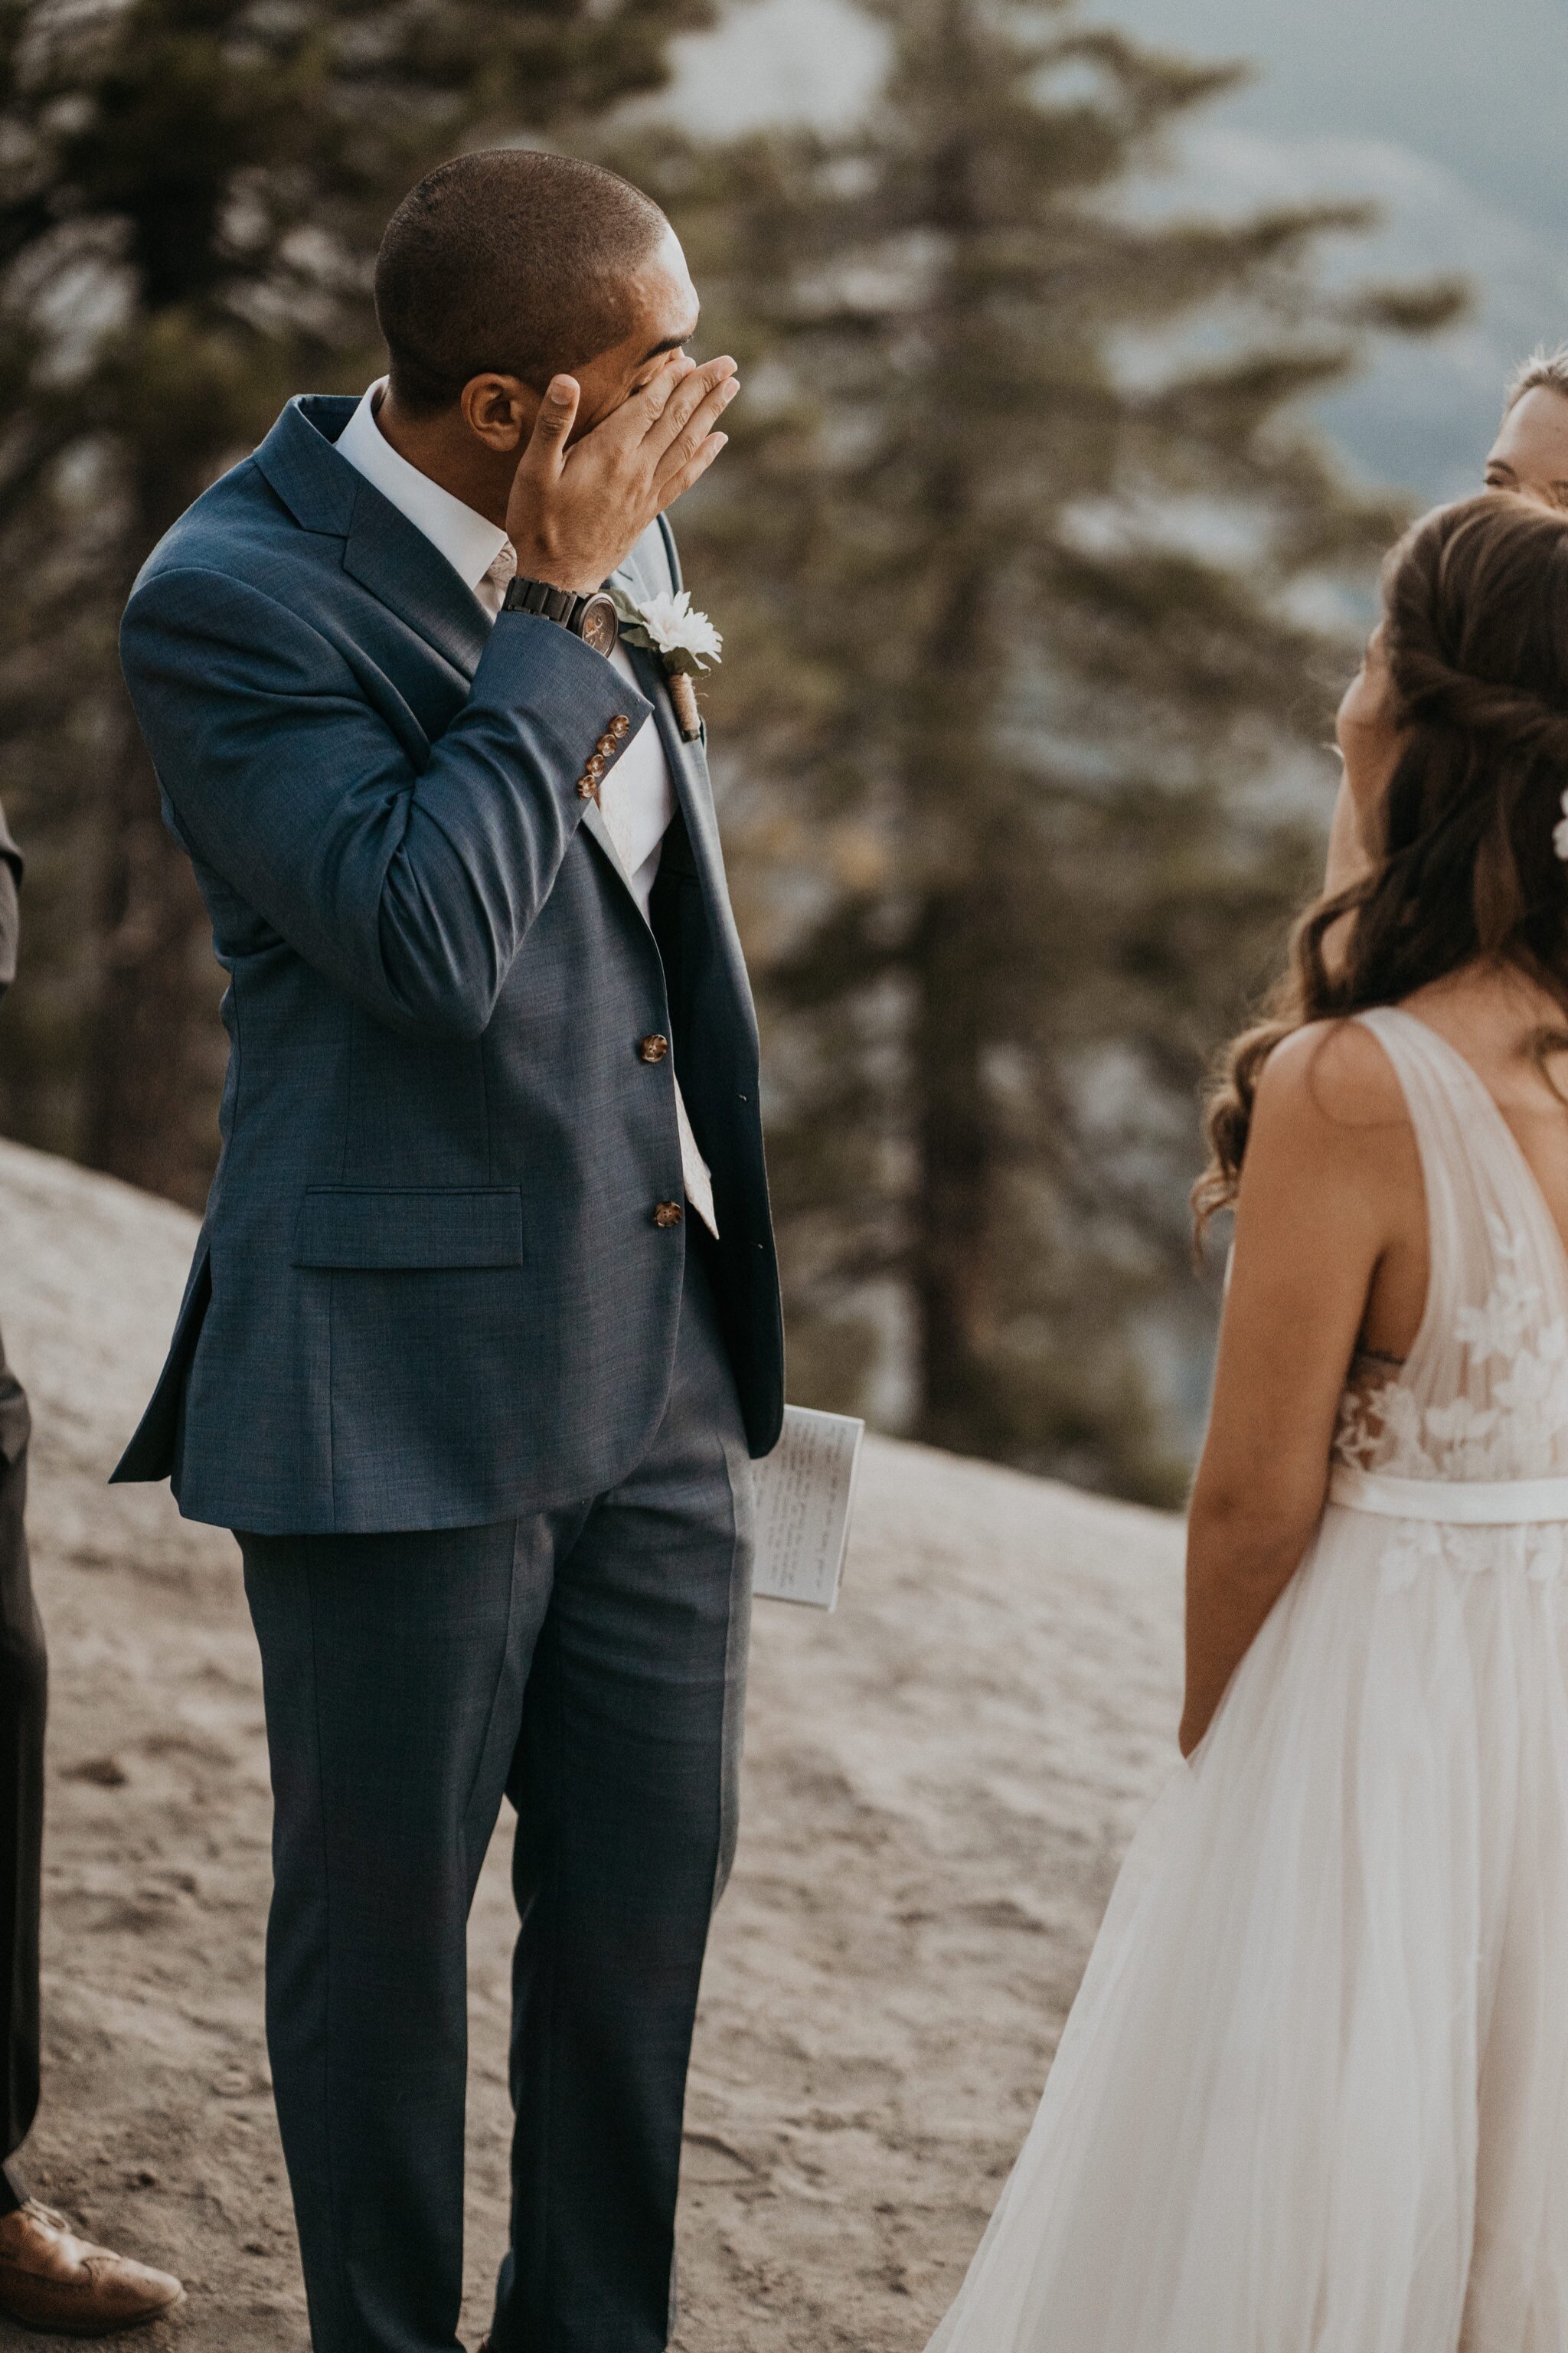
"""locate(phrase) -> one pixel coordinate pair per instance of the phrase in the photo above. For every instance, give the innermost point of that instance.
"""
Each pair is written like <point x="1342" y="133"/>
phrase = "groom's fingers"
<point x="695" y="393"/>
<point x="697" y="421"/>
<point x="543" y="458"/>
<point x="637" y="415"/>
<point x="573" y="513"/>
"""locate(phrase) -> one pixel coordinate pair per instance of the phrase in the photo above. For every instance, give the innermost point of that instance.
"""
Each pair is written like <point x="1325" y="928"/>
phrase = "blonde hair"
<point x="1543" y="370"/>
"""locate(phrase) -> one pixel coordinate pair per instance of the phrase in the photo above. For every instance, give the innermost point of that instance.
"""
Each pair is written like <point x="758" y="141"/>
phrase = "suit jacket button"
<point x="655" y="1048"/>
<point x="604" y="746"/>
<point x="619" y="725"/>
<point x="594" y="765"/>
<point x="666" y="1213"/>
<point x="586" y="789"/>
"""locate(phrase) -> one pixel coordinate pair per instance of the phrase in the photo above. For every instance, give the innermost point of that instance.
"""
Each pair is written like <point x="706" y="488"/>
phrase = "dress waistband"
<point x="1475" y="1502"/>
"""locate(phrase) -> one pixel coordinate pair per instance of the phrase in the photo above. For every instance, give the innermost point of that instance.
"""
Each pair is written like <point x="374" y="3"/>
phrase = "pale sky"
<point x="1477" y="87"/>
<point x="1451" y="113"/>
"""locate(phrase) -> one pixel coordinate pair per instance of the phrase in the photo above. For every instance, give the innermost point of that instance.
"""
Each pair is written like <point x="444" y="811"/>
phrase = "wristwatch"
<point x="591" y="619"/>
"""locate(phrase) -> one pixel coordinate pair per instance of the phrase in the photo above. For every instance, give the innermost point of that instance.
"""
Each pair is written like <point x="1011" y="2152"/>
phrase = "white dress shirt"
<point x="637" y="798"/>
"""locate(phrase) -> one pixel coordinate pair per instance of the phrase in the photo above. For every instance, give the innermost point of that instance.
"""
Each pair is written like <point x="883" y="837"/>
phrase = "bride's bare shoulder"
<point x="1330" y="1081"/>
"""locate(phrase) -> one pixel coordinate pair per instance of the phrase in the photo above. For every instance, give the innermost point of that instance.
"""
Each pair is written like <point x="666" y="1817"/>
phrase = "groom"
<point x="483" y="1324"/>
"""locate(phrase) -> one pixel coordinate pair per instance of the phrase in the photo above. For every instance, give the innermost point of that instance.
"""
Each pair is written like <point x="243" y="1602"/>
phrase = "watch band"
<point x="563" y="604"/>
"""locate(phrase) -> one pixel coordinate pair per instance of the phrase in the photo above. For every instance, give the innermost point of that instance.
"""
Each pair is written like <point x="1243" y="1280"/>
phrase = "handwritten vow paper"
<point x="806" y="1491"/>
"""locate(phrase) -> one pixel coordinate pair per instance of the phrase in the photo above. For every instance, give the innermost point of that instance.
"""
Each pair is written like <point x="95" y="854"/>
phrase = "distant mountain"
<point x="1452" y="115"/>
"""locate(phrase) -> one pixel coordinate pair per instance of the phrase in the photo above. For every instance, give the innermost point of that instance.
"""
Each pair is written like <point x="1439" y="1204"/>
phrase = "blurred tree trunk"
<point x="149" y="1102"/>
<point x="153" y="1046"/>
<point x="956" y="674"/>
<point x="951" y="1256"/>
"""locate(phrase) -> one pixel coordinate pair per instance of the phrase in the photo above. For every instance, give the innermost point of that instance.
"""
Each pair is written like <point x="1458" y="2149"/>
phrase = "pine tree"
<point x="191" y="193"/>
<point x="1034" y="579"/>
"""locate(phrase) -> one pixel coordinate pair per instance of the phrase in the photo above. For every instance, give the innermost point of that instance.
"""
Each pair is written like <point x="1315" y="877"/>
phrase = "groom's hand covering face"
<point x="621" y="440"/>
<point x="495" y="278"/>
<point x="578" y="507"/>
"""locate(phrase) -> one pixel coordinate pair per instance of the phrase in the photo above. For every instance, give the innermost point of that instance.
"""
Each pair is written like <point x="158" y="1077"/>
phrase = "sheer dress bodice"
<point x="1483" y="1393"/>
<point x="1482" y="1399"/>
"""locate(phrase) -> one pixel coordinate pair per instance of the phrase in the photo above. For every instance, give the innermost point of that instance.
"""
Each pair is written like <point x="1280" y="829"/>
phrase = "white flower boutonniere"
<point x="685" y="640"/>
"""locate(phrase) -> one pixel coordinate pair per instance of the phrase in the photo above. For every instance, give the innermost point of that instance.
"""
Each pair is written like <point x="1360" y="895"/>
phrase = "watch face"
<point x="599" y="626"/>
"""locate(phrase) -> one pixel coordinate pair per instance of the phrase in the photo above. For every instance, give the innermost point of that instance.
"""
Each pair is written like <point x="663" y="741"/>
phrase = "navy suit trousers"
<point x="589" y="1663"/>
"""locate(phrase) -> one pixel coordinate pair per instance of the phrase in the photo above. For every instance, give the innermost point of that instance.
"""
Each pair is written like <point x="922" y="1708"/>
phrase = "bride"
<point x="1313" y="2094"/>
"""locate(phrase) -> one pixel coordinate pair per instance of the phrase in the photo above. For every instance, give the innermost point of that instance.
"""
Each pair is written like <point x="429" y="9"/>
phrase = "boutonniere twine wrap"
<point x="685" y="641"/>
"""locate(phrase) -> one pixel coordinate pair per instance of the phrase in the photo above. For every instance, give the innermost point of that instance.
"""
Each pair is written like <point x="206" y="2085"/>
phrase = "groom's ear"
<point x="498" y="410"/>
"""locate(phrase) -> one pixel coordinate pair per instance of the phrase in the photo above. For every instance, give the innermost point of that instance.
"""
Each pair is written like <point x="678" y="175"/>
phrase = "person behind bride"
<point x="1313" y="2094"/>
<point x="1529" y="455"/>
<point x="1531" y="452"/>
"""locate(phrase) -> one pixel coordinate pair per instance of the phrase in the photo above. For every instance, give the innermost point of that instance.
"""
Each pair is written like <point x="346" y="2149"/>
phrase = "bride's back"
<point x="1492" y="1019"/>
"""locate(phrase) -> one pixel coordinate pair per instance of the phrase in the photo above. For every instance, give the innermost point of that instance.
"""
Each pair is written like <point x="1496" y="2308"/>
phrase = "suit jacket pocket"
<point x="393" y="1227"/>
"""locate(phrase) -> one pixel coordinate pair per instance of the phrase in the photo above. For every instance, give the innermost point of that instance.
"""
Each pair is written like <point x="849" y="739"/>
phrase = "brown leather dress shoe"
<point x="50" y="2279"/>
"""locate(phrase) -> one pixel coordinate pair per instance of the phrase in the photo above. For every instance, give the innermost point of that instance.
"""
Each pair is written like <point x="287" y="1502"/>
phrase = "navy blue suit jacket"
<point x="430" y="1291"/>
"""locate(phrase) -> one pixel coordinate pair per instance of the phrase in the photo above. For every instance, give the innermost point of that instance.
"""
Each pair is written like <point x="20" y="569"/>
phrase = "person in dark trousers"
<point x="49" y="2278"/>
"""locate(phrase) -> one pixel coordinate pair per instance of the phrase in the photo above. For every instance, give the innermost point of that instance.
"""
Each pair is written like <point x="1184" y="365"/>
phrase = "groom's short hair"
<point x="507" y="259"/>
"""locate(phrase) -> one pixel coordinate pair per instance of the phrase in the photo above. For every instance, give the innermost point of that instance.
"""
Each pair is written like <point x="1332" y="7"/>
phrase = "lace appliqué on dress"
<point x="1509" y="1420"/>
<point x="1539" y="1548"/>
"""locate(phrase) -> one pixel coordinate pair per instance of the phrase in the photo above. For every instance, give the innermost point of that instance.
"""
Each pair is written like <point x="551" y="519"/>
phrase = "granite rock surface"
<point x="939" y="1782"/>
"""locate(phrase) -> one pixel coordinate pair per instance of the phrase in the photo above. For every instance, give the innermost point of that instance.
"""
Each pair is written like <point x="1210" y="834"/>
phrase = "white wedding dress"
<point x="1313" y="2094"/>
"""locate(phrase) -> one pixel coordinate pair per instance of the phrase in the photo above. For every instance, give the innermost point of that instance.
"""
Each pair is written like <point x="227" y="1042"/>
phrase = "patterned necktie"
<point x="497" y="577"/>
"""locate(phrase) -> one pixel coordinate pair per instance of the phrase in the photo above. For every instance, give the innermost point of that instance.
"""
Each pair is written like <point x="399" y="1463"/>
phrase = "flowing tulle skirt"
<point x="1313" y="2093"/>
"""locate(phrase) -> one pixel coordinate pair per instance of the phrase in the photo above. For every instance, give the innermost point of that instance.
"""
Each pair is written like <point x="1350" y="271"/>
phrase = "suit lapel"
<point x="382" y="549"/>
<point x="692" y="793"/>
<point x="688" y="766"/>
<point x="300" y="464"/>
<point x="686" y="762"/>
<point x="392" y="557"/>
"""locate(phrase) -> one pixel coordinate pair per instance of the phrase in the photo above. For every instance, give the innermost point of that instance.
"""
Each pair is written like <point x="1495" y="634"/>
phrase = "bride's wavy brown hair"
<point x="1476" y="625"/>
